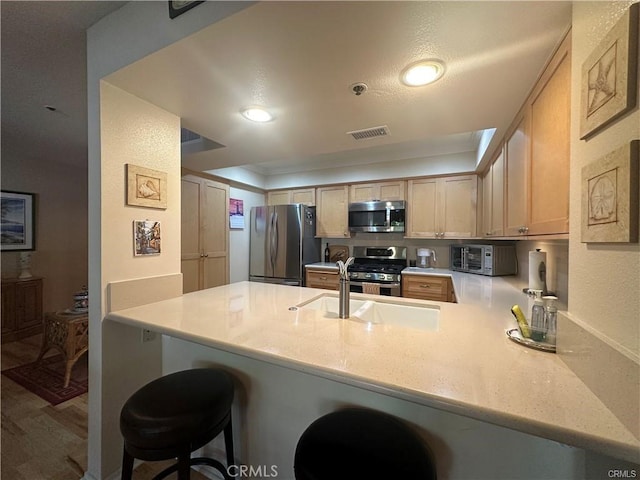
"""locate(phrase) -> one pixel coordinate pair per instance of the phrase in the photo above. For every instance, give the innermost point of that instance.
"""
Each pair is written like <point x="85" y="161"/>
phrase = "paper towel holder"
<point x="539" y="283"/>
<point x="542" y="272"/>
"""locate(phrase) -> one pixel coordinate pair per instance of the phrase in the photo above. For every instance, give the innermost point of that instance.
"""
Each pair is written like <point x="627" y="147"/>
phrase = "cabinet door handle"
<point x="424" y="286"/>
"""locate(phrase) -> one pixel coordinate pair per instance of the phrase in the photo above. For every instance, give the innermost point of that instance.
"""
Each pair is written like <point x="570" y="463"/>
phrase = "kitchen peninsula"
<point x="460" y="384"/>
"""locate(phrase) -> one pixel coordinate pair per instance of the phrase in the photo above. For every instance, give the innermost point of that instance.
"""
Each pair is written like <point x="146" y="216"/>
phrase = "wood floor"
<point x="44" y="442"/>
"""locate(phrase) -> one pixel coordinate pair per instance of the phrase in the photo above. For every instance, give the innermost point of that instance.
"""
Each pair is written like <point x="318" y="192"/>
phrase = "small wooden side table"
<point x="68" y="333"/>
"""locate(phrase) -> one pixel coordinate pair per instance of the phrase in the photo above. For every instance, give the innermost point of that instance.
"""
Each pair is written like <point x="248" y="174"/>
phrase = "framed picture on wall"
<point x="146" y="237"/>
<point x="17" y="225"/>
<point x="146" y="187"/>
<point x="609" y="76"/>
<point x="610" y="197"/>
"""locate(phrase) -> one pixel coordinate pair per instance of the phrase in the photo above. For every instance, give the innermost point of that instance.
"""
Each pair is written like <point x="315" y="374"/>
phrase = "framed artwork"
<point x="610" y="197"/>
<point x="146" y="237"/>
<point x="236" y="213"/>
<point x="17" y="224"/>
<point x="610" y="75"/>
<point x="146" y="187"/>
<point x="177" y="7"/>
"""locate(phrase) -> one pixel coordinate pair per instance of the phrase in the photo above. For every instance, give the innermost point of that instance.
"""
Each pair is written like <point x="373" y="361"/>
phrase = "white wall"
<point x="599" y="336"/>
<point x="239" y="238"/>
<point x="416" y="167"/>
<point x="604" y="279"/>
<point x="130" y="33"/>
<point x="60" y="256"/>
<point x="132" y="131"/>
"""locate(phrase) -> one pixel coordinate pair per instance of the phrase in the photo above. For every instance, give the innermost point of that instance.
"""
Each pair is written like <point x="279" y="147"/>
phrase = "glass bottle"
<point x="538" y="327"/>
<point x="551" y="318"/>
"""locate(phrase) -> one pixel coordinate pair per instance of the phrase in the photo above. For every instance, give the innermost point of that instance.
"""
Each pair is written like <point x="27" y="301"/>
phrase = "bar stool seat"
<point x="359" y="443"/>
<point x="175" y="415"/>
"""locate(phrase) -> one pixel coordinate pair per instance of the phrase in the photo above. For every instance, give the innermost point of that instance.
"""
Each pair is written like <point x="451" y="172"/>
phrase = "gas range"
<point x="381" y="265"/>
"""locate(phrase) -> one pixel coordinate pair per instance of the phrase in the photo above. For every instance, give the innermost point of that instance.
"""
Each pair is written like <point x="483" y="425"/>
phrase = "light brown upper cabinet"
<point x="493" y="198"/>
<point x="387" y="191"/>
<point x="332" y="215"/>
<point x="517" y="178"/>
<point x="537" y="154"/>
<point x="485" y="226"/>
<point x="205" y="233"/>
<point x="306" y="196"/>
<point x="550" y="139"/>
<point x="442" y="207"/>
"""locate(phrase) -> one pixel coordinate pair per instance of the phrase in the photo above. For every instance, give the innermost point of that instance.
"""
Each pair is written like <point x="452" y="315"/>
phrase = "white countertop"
<point x="468" y="366"/>
<point x="323" y="265"/>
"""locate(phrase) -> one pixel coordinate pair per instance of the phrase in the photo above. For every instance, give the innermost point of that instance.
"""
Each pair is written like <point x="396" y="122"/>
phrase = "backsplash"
<point x="441" y="247"/>
<point x="557" y="255"/>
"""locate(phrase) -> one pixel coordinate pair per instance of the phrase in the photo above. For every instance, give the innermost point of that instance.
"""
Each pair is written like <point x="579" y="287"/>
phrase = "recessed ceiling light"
<point x="422" y="73"/>
<point x="256" y="114"/>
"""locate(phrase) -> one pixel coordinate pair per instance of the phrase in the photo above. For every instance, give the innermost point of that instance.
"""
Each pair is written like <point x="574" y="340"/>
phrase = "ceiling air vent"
<point x="192" y="142"/>
<point x="370" y="133"/>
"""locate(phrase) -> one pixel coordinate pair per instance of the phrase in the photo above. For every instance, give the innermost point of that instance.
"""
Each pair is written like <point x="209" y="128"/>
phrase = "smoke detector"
<point x="358" y="88"/>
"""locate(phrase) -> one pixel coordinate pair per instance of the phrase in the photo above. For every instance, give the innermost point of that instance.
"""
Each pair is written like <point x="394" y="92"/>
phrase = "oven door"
<point x="474" y="259"/>
<point x="387" y="289"/>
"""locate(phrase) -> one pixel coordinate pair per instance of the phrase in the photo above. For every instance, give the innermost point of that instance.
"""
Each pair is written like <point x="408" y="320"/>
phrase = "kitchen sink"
<point x="386" y="312"/>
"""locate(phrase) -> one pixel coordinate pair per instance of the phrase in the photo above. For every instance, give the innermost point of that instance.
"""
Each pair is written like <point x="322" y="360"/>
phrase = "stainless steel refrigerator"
<point x="282" y="242"/>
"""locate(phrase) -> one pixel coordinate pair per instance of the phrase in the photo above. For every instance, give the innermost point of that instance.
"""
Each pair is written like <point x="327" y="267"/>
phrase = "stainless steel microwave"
<point x="489" y="260"/>
<point x="377" y="216"/>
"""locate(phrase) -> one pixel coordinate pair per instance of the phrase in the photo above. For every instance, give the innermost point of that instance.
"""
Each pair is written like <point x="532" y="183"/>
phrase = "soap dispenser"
<point x="551" y="317"/>
<point x="538" y="327"/>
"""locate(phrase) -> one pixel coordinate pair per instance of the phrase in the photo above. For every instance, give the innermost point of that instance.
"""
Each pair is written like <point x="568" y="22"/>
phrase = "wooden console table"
<point x="69" y="334"/>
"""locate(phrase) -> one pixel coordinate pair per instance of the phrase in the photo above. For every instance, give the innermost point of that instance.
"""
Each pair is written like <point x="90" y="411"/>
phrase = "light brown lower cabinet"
<point x="322" y="278"/>
<point x="428" y="287"/>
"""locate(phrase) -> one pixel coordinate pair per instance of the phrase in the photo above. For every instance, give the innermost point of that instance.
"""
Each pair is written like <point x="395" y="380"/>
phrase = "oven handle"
<point x="382" y="284"/>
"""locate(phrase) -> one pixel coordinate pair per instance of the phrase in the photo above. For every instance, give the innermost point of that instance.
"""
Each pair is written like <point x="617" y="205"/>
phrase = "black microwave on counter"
<point x="377" y="216"/>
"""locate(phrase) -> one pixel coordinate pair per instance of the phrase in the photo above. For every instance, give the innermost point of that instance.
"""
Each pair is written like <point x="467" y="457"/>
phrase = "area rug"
<point x="46" y="378"/>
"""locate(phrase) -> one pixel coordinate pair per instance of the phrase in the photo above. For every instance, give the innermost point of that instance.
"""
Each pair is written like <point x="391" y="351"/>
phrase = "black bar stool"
<point x="175" y="415"/>
<point x="359" y="443"/>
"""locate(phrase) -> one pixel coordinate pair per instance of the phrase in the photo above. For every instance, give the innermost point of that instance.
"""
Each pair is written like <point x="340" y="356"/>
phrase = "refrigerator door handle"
<point x="273" y="241"/>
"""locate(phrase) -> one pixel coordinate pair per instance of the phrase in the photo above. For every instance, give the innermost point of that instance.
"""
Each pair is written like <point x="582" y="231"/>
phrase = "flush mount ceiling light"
<point x="256" y="114"/>
<point x="422" y="73"/>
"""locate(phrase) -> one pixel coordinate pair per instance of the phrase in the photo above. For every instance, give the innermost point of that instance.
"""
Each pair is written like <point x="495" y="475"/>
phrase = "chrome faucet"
<point x="343" y="304"/>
